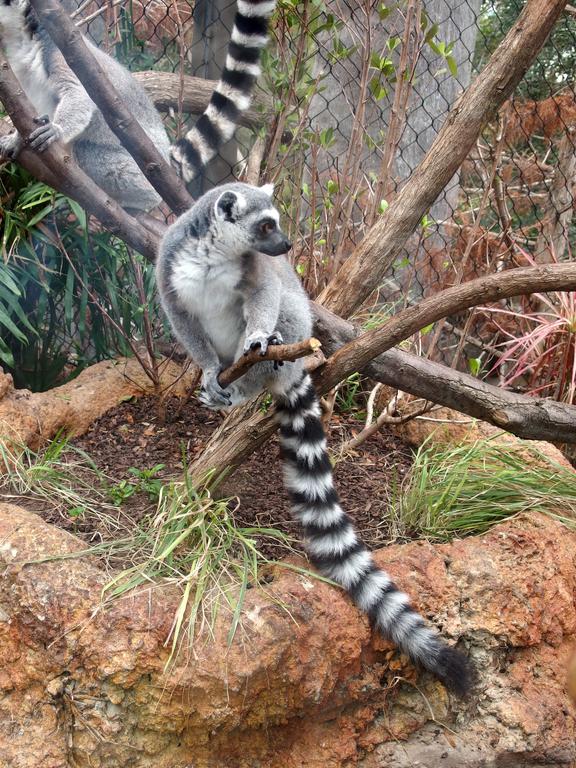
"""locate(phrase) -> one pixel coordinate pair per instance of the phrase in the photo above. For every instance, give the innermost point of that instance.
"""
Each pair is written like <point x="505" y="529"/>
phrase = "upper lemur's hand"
<point x="262" y="340"/>
<point x="212" y="395"/>
<point x="46" y="133"/>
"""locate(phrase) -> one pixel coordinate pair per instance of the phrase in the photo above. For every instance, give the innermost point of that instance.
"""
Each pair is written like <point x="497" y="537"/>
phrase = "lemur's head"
<point x="247" y="217"/>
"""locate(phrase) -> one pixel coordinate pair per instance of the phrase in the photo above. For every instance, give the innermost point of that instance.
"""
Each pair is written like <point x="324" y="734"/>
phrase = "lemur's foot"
<point x="262" y="341"/>
<point x="10" y="146"/>
<point x="212" y="395"/>
<point x="46" y="133"/>
<point x="180" y="162"/>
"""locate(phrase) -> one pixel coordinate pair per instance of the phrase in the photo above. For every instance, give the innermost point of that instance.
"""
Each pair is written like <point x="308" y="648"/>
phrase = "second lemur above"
<point x="66" y="113"/>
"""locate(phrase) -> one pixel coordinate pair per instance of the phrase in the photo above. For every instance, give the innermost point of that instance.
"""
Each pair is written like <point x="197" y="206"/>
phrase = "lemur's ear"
<point x="229" y="206"/>
<point x="268" y="189"/>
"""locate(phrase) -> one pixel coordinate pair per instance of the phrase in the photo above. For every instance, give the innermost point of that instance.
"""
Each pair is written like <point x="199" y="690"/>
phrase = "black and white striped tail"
<point x="233" y="94"/>
<point x="335" y="550"/>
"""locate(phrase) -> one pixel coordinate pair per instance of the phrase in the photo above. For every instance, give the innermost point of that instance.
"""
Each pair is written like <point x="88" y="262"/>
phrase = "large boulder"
<point x="304" y="683"/>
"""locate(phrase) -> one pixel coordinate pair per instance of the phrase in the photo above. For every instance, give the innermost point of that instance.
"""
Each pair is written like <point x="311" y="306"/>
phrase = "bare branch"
<point x="531" y="418"/>
<point x="82" y="62"/>
<point x="363" y="271"/>
<point x="58" y="168"/>
<point x="355" y="355"/>
<point x="282" y="352"/>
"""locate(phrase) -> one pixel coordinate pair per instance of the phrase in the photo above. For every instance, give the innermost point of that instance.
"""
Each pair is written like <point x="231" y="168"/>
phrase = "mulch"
<point x="141" y="435"/>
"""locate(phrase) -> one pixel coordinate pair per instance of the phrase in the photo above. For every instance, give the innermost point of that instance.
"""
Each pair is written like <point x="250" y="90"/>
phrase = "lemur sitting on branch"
<point x="227" y="289"/>
<point x="66" y="112"/>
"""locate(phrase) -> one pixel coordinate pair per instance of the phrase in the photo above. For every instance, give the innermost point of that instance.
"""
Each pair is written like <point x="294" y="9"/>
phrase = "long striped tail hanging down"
<point x="335" y="549"/>
<point x="233" y="93"/>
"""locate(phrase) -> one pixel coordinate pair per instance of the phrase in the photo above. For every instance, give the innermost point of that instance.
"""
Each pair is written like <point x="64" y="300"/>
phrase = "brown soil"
<point x="137" y="435"/>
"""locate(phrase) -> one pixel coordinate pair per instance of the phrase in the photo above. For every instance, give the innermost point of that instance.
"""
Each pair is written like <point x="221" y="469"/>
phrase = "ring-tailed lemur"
<point x="67" y="113"/>
<point x="224" y="296"/>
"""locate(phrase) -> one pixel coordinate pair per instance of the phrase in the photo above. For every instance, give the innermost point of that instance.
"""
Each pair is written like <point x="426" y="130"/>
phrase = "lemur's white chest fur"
<point x="208" y="289"/>
<point x="25" y="57"/>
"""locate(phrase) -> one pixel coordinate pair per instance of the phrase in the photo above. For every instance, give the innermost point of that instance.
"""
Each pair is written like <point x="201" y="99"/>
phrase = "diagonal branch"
<point x="58" y="168"/>
<point x="227" y="449"/>
<point x="363" y="271"/>
<point x="355" y="355"/>
<point x="82" y="62"/>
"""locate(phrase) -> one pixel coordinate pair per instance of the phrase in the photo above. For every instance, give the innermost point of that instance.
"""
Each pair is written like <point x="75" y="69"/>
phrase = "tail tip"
<point x="456" y="672"/>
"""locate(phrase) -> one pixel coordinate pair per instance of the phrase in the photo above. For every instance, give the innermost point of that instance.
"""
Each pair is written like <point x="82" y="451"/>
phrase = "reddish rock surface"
<point x="301" y="685"/>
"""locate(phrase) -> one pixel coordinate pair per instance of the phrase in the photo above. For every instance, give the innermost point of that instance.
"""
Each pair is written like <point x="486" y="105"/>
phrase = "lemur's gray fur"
<point x="226" y="288"/>
<point x="66" y="112"/>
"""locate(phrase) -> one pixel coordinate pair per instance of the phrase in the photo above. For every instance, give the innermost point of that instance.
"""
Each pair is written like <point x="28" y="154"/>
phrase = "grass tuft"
<point x="463" y="490"/>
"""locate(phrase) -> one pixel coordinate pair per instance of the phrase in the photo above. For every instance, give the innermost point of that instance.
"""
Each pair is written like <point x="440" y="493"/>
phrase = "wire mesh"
<point x="352" y="96"/>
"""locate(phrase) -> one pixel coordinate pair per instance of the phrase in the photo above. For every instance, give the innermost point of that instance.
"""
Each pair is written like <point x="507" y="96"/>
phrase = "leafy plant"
<point x="463" y="490"/>
<point x="540" y="350"/>
<point x="67" y="291"/>
<point x="145" y="482"/>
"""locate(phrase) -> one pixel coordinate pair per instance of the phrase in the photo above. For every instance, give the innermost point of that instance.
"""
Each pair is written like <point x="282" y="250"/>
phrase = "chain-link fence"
<point x="352" y="96"/>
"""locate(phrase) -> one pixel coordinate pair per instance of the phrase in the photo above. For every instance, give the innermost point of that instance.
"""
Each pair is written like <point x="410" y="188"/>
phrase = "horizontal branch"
<point x="168" y="91"/>
<point x="356" y="355"/>
<point x="101" y="90"/>
<point x="58" y="168"/>
<point x="530" y="418"/>
<point x="281" y="352"/>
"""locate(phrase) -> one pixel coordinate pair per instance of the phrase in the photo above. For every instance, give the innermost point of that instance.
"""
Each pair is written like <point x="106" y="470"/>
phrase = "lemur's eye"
<point x="267" y="227"/>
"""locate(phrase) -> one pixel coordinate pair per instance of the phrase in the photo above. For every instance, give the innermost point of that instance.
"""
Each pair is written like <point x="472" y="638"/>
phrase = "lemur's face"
<point x="250" y="221"/>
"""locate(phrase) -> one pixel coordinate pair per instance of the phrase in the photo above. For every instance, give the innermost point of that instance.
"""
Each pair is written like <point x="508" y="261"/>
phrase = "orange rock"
<point x="30" y="419"/>
<point x="303" y="684"/>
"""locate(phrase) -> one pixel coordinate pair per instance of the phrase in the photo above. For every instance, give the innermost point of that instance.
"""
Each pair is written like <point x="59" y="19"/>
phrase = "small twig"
<point x="386" y="417"/>
<point x="280" y="352"/>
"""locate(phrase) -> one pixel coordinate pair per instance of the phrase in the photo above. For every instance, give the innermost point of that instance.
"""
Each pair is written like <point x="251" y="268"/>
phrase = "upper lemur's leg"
<point x="10" y="146"/>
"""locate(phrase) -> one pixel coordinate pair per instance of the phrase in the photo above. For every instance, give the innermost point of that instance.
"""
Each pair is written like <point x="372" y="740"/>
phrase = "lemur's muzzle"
<point x="275" y="245"/>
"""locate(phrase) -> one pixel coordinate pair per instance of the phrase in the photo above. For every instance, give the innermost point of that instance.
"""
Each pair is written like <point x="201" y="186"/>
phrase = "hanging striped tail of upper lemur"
<point x="226" y="289"/>
<point x="66" y="113"/>
<point x="233" y="93"/>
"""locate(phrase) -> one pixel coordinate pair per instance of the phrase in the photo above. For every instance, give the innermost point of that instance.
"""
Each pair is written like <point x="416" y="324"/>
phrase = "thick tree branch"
<point x="164" y="90"/>
<point x="355" y="355"/>
<point x="81" y="61"/>
<point x="58" y="168"/>
<point x="236" y="440"/>
<point x="283" y="352"/>
<point x="531" y="418"/>
<point x="362" y="273"/>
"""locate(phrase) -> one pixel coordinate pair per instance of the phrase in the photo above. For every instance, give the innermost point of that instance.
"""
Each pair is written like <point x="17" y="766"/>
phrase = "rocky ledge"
<point x="304" y="682"/>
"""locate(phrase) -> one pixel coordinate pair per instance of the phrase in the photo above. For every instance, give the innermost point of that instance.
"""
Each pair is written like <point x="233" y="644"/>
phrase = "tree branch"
<point x="363" y="271"/>
<point x="57" y="167"/>
<point x="531" y="418"/>
<point x="526" y="417"/>
<point x="164" y="90"/>
<point x="134" y="139"/>
<point x="355" y="355"/>
<point x="283" y="352"/>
